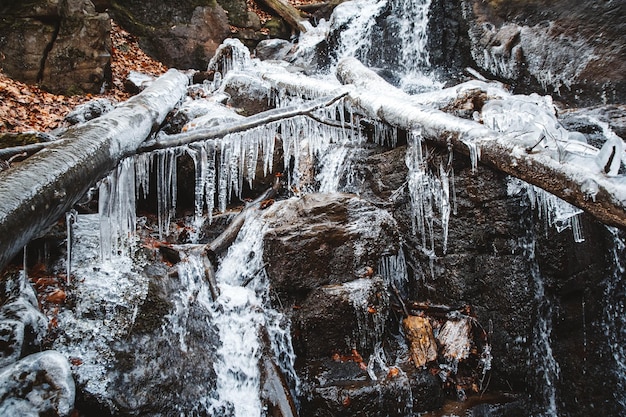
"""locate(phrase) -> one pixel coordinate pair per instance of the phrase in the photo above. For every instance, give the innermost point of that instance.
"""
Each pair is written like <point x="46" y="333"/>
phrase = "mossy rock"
<point x="10" y="140"/>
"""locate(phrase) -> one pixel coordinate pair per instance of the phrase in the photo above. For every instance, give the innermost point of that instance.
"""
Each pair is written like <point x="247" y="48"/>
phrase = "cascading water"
<point x="614" y="323"/>
<point x="541" y="357"/>
<point x="241" y="313"/>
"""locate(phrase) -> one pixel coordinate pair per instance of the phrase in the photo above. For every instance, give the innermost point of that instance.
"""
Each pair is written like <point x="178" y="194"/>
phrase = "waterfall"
<point x="541" y="357"/>
<point x="241" y="313"/>
<point x="404" y="32"/>
<point x="614" y="322"/>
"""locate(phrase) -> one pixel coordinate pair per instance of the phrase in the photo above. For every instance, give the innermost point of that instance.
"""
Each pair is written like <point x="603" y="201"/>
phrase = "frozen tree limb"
<point x="599" y="195"/>
<point x="37" y="192"/>
<point x="251" y="122"/>
<point x="7" y="153"/>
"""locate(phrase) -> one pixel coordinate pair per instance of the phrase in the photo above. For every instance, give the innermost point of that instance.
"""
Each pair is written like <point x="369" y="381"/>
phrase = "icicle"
<point x="116" y="206"/>
<point x="166" y="188"/>
<point x="211" y="178"/>
<point x="393" y="270"/>
<point x="224" y="175"/>
<point x="200" y="160"/>
<point x="143" y="167"/>
<point x="474" y="151"/>
<point x="444" y="205"/>
<point x="70" y="218"/>
<point x="552" y="210"/>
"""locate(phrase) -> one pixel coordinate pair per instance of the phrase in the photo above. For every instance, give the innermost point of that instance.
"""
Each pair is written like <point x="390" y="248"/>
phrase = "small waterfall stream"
<point x="241" y="313"/>
<point x="615" y="310"/>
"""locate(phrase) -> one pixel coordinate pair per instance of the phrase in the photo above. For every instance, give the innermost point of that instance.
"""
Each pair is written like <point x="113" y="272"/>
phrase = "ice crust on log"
<point x="39" y="191"/>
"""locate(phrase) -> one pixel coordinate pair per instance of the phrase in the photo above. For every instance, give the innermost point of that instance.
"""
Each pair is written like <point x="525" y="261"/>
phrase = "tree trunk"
<point x="601" y="196"/>
<point x="38" y="191"/>
<point x="291" y="15"/>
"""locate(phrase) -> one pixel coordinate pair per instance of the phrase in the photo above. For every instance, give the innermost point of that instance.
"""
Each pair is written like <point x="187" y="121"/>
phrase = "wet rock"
<point x="552" y="47"/>
<point x="39" y="384"/>
<point x="23" y="42"/>
<point x="341" y="318"/>
<point x="79" y="59"/>
<point x="22" y="326"/>
<point x="63" y="46"/>
<point x="273" y="49"/>
<point x="337" y="233"/>
<point x="247" y="92"/>
<point x="343" y="388"/>
<point x="135" y="338"/>
<point x="182" y="34"/>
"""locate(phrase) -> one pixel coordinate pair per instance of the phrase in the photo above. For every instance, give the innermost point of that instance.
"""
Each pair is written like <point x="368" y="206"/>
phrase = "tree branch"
<point x="251" y="122"/>
<point x="601" y="196"/>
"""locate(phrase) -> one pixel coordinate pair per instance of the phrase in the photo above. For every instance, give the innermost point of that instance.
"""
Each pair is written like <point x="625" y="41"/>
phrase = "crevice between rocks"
<point x="48" y="48"/>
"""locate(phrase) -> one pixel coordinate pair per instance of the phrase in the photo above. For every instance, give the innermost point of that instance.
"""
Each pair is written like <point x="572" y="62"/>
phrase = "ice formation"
<point x="552" y="210"/>
<point x="429" y="192"/>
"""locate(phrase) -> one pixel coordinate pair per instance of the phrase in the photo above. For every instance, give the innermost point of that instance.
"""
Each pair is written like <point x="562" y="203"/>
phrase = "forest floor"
<point x="25" y="107"/>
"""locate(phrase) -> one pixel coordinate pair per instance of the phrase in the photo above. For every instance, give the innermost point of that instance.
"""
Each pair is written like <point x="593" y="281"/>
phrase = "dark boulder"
<point x="182" y="34"/>
<point x="322" y="239"/>
<point x="63" y="45"/>
<point x="570" y="49"/>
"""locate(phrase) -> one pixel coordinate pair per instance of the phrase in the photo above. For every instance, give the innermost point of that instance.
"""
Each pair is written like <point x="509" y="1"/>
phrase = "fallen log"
<point x="37" y="192"/>
<point x="599" y="195"/>
<point x="290" y="14"/>
<point x="30" y="149"/>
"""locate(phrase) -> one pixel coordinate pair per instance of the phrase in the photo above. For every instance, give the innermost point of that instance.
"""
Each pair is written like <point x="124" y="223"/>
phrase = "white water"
<point x="240" y="313"/>
<point x="408" y="30"/>
<point x="541" y="359"/>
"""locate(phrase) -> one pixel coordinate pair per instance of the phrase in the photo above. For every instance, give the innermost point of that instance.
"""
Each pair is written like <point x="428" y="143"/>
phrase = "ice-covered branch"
<point x="251" y="122"/>
<point x="570" y="175"/>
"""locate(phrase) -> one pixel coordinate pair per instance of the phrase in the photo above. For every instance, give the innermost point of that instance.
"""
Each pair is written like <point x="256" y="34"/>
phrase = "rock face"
<point x="131" y="334"/>
<point x="62" y="45"/>
<point x="571" y="49"/>
<point x="515" y="271"/>
<point x="321" y="252"/>
<point x="182" y="34"/>
<point x="338" y="234"/>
